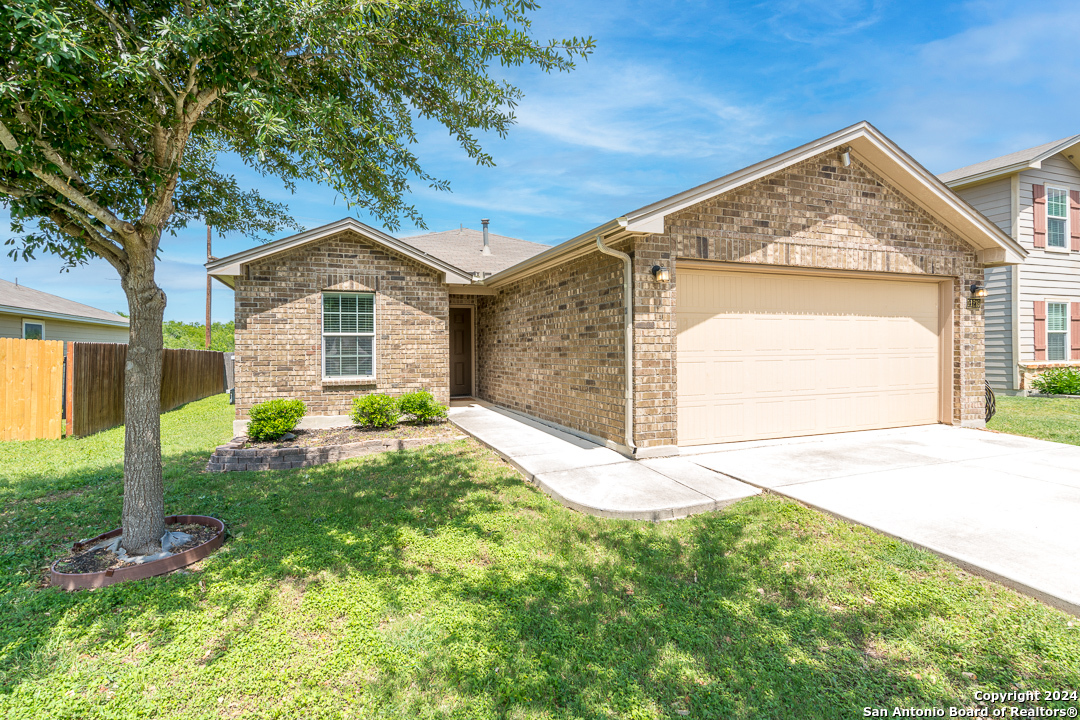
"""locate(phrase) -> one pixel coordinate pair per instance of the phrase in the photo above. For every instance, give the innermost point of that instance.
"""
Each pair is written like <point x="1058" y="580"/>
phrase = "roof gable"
<point x="226" y="269"/>
<point x="883" y="157"/>
<point x="864" y="141"/>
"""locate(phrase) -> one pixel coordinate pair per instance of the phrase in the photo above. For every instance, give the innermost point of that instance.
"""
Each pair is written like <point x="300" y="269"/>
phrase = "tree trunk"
<point x="143" y="519"/>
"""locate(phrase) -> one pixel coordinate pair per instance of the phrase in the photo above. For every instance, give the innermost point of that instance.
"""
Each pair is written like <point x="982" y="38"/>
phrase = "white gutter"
<point x="49" y="315"/>
<point x="628" y="302"/>
<point x="557" y="254"/>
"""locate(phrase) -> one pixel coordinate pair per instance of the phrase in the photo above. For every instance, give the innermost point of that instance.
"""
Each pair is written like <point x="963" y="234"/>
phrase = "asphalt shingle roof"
<point x="463" y="249"/>
<point x="24" y="298"/>
<point x="1020" y="156"/>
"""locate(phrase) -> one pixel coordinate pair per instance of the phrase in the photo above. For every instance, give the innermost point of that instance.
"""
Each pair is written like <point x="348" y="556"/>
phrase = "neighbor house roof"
<point x="464" y="249"/>
<point x="226" y="269"/>
<point x="1008" y="164"/>
<point x="21" y="300"/>
<point x="865" y="142"/>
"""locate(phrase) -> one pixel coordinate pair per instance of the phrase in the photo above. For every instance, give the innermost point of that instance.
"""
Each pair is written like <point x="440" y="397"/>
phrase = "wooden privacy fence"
<point x="31" y="388"/>
<point x="95" y="381"/>
<point x="40" y="389"/>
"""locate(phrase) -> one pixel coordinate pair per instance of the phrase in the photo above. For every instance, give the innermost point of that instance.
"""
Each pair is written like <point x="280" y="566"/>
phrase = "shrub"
<point x="380" y="411"/>
<point x="1058" y="381"/>
<point x="272" y="419"/>
<point x="422" y="406"/>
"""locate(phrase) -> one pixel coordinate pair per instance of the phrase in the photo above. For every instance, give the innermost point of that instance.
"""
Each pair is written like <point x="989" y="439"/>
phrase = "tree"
<point x="192" y="336"/>
<point x="113" y="114"/>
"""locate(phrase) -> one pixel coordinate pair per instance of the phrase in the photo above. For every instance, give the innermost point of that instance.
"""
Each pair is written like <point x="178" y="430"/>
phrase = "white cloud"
<point x="819" y="21"/>
<point x="639" y="109"/>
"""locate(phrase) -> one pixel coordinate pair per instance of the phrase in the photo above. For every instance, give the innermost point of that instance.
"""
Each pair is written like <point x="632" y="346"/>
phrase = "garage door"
<point x="767" y="355"/>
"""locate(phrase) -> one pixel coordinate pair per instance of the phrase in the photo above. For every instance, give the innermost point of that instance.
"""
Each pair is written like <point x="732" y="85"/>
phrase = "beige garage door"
<point x="766" y="355"/>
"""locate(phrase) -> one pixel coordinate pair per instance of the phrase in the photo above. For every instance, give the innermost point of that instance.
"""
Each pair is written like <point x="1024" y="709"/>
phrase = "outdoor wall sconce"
<point x="978" y="292"/>
<point x="662" y="274"/>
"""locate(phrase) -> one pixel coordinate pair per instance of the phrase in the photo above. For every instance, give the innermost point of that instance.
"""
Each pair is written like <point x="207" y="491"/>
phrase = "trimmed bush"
<point x="378" y="411"/>
<point x="1058" y="381"/>
<point x="422" y="406"/>
<point x="273" y="418"/>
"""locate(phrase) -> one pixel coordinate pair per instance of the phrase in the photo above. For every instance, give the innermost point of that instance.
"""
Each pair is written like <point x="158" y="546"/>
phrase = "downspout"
<point x="628" y="301"/>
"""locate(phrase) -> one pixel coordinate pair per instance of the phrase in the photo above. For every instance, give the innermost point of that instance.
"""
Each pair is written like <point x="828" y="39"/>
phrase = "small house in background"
<point x="36" y="315"/>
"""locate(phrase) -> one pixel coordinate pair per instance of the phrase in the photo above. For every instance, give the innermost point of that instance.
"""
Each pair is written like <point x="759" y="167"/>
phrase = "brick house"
<point x="826" y="289"/>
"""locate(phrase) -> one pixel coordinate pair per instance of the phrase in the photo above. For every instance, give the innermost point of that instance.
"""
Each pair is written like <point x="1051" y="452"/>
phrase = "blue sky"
<point x="678" y="93"/>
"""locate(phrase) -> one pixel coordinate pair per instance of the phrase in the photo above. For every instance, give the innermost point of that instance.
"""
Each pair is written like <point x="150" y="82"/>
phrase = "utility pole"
<point x="208" y="257"/>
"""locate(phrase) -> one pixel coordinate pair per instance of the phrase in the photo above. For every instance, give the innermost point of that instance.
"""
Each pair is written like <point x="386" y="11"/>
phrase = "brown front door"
<point x="461" y="346"/>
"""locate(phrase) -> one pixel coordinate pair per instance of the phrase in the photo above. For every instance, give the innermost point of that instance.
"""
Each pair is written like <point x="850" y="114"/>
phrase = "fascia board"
<point x="988" y="175"/>
<point x="926" y="190"/>
<point x="47" y="315"/>
<point x="560" y="253"/>
<point x="232" y="265"/>
<point x="876" y="150"/>
<point x="650" y="217"/>
<point x="1033" y="164"/>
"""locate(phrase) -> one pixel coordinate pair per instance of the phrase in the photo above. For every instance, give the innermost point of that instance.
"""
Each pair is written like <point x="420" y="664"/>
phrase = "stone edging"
<point x="233" y="456"/>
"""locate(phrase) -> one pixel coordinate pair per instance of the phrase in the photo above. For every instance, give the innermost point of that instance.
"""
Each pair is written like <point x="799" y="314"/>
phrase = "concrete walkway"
<point x="1001" y="506"/>
<point x="594" y="479"/>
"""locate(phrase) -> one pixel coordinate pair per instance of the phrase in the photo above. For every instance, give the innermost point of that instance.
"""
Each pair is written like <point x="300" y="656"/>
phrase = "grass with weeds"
<point x="437" y="584"/>
<point x="1056" y="419"/>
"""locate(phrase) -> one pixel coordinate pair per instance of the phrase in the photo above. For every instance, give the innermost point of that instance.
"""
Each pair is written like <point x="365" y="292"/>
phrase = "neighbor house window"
<point x="1057" y="209"/>
<point x="33" y="331"/>
<point x="348" y="335"/>
<point x="1057" y="328"/>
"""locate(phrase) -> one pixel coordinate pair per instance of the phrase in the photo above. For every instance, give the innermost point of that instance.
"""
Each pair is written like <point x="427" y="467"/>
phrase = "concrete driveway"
<point x="1002" y="506"/>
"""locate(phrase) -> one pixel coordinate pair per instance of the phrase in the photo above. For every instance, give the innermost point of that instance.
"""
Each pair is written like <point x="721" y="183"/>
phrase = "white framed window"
<point x="348" y="334"/>
<point x="1057" y="331"/>
<point x="33" y="330"/>
<point x="1057" y="218"/>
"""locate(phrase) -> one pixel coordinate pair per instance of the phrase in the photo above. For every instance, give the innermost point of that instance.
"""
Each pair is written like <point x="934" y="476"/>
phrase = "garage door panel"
<point x="775" y="355"/>
<point x="693" y="377"/>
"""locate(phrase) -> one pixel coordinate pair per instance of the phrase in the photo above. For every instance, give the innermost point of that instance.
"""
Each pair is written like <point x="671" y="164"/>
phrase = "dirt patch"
<point x="346" y="435"/>
<point x="100" y="559"/>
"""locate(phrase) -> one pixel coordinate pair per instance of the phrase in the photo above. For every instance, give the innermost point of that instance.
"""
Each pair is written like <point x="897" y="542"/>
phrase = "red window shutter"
<point x="1074" y="328"/>
<point x="1040" y="330"/>
<point x="1038" y="195"/>
<point x="1074" y="219"/>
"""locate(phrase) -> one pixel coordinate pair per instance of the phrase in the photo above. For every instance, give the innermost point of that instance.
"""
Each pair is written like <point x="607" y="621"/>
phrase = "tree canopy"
<point x="180" y="335"/>
<point x="113" y="114"/>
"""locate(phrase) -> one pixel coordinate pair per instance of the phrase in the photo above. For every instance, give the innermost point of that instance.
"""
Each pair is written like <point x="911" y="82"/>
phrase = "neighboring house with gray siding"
<point x="36" y="315"/>
<point x="1033" y="309"/>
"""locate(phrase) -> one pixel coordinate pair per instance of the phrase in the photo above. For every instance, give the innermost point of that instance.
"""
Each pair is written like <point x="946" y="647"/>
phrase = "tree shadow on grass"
<point x="434" y="583"/>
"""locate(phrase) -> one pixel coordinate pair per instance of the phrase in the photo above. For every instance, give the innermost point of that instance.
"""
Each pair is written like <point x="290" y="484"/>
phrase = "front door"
<point x="461" y="347"/>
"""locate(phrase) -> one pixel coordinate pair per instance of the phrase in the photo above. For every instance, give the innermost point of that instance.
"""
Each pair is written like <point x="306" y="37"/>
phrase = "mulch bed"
<point x="346" y="435"/>
<point x="100" y="559"/>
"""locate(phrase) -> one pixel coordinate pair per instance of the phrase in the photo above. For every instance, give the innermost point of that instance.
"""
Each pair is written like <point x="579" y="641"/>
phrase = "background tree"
<point x="113" y="113"/>
<point x="179" y="335"/>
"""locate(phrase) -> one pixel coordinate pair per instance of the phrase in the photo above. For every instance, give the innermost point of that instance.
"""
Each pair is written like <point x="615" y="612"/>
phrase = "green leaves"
<point x="129" y="104"/>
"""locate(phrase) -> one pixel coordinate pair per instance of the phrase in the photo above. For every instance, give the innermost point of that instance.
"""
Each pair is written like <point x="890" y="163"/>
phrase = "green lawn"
<point x="1056" y="419"/>
<point x="436" y="584"/>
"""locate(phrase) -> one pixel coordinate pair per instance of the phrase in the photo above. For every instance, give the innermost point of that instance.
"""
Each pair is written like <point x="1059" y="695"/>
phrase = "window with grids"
<point x="1057" y="209"/>
<point x="348" y="335"/>
<point x="1057" y="328"/>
